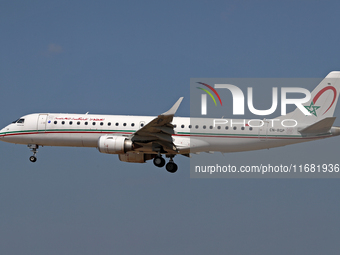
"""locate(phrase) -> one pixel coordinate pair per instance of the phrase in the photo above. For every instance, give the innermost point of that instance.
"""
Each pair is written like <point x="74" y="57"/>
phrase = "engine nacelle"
<point x="112" y="144"/>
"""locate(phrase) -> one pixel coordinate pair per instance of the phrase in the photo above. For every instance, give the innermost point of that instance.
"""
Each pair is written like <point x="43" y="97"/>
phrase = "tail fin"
<point x="322" y="103"/>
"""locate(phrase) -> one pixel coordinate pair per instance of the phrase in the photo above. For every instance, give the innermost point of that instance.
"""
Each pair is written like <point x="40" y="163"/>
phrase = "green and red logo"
<point x="312" y="107"/>
<point x="209" y="93"/>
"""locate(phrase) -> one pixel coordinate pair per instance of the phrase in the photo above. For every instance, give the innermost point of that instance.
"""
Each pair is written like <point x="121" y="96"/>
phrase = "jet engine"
<point x="112" y="144"/>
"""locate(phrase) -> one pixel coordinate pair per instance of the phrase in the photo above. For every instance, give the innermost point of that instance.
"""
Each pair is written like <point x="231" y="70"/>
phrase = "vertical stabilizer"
<point x="322" y="103"/>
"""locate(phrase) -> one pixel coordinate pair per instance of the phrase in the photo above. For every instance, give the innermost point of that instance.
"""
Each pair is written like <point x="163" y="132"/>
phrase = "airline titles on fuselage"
<point x="80" y="118"/>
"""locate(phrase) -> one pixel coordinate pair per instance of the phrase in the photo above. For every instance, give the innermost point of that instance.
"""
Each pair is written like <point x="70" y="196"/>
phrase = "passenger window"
<point x="242" y="128"/>
<point x="175" y="125"/>
<point x="182" y="126"/>
<point x="142" y="124"/>
<point x="196" y="126"/>
<point x="124" y="124"/>
<point x="86" y="123"/>
<point x="234" y="128"/>
<point x="132" y="124"/>
<point x="109" y="123"/>
<point x="218" y="127"/>
<point x="190" y="126"/>
<point x="226" y="127"/>
<point x="250" y="128"/>
<point x="101" y="123"/>
<point x="211" y="127"/>
<point x="204" y="127"/>
<point x="63" y="122"/>
<point x="71" y="122"/>
<point x="117" y="123"/>
<point x="93" y="123"/>
<point x="55" y="122"/>
<point x="78" y="123"/>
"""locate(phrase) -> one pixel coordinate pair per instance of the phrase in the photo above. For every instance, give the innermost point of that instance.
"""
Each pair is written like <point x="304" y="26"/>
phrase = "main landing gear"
<point x="171" y="167"/>
<point x="159" y="161"/>
<point x="34" y="149"/>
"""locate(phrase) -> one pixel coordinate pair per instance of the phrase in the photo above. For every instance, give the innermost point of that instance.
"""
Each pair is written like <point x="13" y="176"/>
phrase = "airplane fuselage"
<point x="191" y="135"/>
<point x="137" y="139"/>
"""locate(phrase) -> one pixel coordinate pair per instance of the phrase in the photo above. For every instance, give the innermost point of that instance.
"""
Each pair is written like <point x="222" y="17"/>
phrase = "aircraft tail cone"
<point x="335" y="130"/>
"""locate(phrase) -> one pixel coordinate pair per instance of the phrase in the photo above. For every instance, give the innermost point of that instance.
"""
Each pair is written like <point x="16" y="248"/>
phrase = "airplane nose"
<point x="2" y="133"/>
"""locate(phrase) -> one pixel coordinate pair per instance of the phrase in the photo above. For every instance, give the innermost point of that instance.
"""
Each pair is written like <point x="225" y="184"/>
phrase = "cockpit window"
<point x="19" y="121"/>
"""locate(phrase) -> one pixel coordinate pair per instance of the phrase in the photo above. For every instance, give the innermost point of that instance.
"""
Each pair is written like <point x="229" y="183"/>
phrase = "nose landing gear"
<point x="34" y="149"/>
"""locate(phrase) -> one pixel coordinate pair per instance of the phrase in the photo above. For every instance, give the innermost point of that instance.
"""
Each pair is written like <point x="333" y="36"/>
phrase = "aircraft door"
<point x="41" y="125"/>
<point x="263" y="131"/>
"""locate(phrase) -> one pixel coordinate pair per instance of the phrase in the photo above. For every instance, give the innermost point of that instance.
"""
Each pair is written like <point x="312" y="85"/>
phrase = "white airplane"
<point x="141" y="138"/>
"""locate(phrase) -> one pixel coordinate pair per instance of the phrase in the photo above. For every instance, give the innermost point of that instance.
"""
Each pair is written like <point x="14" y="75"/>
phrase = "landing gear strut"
<point x="34" y="149"/>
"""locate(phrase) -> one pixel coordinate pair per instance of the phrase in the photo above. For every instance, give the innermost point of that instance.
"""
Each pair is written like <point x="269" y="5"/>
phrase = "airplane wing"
<point x="157" y="133"/>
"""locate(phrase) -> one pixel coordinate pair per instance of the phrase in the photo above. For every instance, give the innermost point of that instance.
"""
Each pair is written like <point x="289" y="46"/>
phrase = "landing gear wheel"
<point x="33" y="159"/>
<point x="34" y="149"/>
<point x="159" y="161"/>
<point x="171" y="167"/>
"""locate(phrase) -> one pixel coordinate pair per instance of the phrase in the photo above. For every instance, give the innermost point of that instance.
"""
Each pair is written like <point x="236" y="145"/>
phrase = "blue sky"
<point x="137" y="58"/>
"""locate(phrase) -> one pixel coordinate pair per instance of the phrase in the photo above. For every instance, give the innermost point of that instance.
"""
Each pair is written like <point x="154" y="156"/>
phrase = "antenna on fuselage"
<point x="86" y="113"/>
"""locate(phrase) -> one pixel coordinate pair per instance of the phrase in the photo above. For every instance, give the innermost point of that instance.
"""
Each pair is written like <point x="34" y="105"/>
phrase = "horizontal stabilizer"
<point x="320" y="127"/>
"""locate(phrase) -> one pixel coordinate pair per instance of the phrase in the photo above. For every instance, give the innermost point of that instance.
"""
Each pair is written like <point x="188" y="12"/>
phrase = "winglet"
<point x="174" y="108"/>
